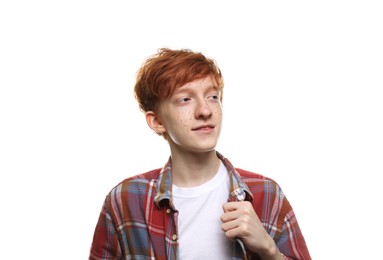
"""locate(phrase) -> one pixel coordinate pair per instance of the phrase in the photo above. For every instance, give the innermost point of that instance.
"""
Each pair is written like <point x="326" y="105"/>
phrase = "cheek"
<point x="178" y="126"/>
<point x="186" y="121"/>
<point x="184" y="118"/>
<point x="217" y="110"/>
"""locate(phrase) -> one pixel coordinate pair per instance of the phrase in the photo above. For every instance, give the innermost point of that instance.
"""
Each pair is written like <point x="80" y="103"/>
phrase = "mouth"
<point x="208" y="127"/>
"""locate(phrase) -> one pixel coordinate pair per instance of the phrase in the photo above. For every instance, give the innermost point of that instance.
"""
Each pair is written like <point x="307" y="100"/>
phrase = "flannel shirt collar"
<point x="238" y="189"/>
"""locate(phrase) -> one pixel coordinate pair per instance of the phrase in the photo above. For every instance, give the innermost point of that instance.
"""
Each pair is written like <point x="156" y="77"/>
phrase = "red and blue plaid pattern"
<point x="138" y="219"/>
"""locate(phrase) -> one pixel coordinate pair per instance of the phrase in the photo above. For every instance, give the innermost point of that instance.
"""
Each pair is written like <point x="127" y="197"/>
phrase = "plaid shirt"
<point x="138" y="219"/>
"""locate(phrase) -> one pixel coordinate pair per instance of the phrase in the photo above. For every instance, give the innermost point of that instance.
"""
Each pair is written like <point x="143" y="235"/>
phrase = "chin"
<point x="195" y="146"/>
<point x="205" y="148"/>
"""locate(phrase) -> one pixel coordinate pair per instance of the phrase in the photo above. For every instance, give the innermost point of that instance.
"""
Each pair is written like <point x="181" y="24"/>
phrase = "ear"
<point x="154" y="122"/>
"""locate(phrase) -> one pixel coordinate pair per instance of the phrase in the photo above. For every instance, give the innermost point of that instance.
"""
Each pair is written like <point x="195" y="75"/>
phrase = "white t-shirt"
<point x="199" y="224"/>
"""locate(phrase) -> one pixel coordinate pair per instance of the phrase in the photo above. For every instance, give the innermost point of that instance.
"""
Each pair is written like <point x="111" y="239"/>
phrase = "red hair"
<point x="163" y="72"/>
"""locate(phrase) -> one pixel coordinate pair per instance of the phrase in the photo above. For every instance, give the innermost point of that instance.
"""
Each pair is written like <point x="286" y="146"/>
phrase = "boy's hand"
<point x="239" y="220"/>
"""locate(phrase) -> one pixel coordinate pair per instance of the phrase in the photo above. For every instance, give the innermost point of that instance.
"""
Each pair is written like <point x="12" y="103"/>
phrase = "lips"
<point x="204" y="127"/>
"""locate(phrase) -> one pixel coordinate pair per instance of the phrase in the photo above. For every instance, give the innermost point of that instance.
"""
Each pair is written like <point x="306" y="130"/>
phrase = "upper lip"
<point x="203" y="126"/>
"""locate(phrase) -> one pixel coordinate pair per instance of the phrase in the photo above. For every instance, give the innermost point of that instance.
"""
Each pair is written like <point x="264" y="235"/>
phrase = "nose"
<point x="203" y="109"/>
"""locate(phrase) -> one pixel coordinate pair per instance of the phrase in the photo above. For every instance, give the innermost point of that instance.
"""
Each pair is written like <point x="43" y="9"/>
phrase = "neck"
<point x="193" y="169"/>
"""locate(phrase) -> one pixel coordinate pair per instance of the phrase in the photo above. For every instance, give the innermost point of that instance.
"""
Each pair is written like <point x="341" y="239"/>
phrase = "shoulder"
<point x="137" y="184"/>
<point x="252" y="175"/>
<point x="128" y="198"/>
<point x="147" y="176"/>
<point x="259" y="183"/>
<point x="268" y="196"/>
<point x="248" y="176"/>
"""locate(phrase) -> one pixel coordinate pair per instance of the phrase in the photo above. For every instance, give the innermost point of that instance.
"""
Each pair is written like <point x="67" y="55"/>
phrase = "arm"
<point x="105" y="243"/>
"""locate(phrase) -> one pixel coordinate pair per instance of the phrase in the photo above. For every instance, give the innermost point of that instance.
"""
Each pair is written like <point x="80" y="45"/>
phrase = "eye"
<point x="183" y="100"/>
<point x="214" y="97"/>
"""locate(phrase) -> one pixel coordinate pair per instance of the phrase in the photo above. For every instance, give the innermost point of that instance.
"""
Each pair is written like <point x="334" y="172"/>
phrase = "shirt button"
<point x="168" y="211"/>
<point x="174" y="237"/>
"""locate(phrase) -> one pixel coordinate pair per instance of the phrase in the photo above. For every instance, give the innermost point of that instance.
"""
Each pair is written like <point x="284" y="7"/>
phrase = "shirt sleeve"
<point x="105" y="243"/>
<point x="278" y="218"/>
<point x="291" y="242"/>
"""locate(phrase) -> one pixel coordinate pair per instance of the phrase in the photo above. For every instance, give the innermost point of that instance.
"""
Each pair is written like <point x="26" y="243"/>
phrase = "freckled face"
<point x="192" y="116"/>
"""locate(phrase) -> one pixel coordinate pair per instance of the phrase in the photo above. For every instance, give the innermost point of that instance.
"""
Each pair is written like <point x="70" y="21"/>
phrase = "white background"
<point x="302" y="105"/>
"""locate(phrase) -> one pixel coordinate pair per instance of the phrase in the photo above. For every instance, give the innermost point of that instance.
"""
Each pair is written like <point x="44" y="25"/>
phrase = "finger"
<point x="230" y="229"/>
<point x="236" y="228"/>
<point x="234" y="231"/>
<point x="229" y="216"/>
<point x="231" y="206"/>
<point x="231" y="233"/>
<point x="225" y="226"/>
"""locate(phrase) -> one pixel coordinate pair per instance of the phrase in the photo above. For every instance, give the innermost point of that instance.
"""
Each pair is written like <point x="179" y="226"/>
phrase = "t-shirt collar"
<point x="238" y="189"/>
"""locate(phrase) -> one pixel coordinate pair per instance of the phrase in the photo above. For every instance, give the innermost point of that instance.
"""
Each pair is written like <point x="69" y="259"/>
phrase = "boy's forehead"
<point x="206" y="83"/>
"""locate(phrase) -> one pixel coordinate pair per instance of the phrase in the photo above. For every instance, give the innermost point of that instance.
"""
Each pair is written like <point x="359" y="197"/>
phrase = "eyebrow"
<point x="188" y="88"/>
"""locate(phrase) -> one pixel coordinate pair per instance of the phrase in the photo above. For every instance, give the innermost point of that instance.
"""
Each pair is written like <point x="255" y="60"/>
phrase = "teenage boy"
<point x="198" y="206"/>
